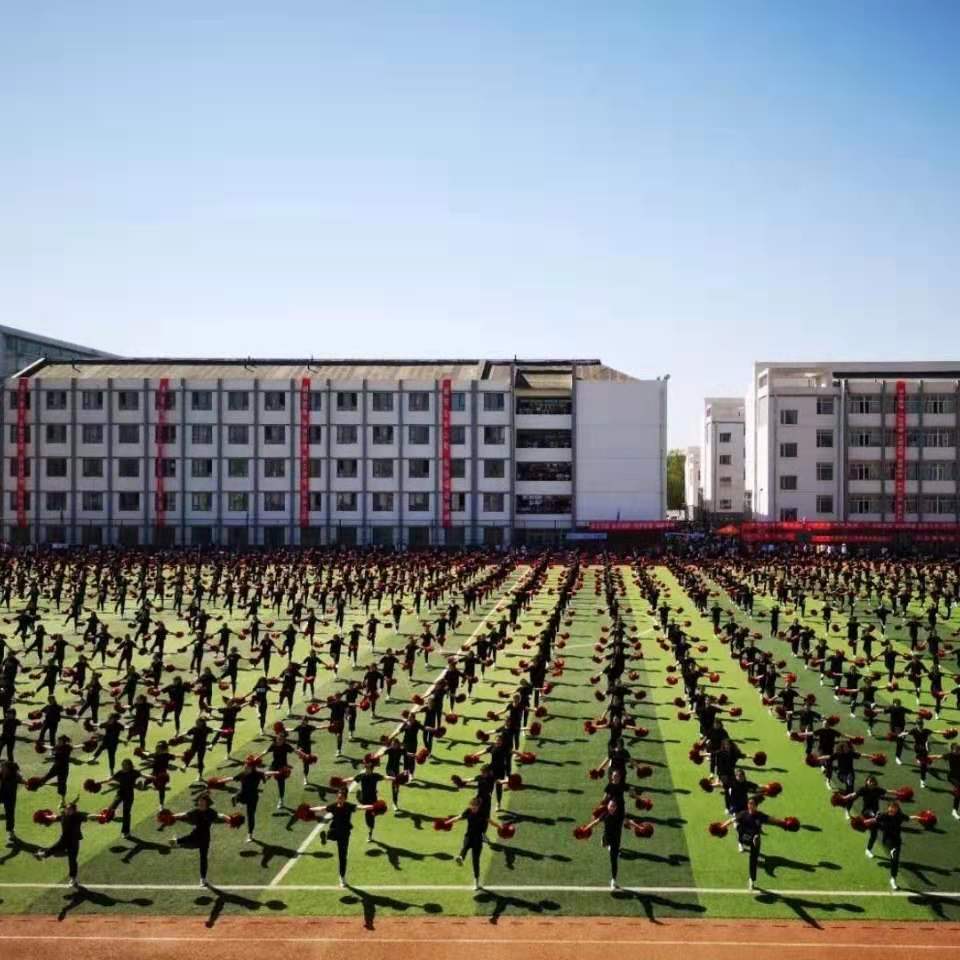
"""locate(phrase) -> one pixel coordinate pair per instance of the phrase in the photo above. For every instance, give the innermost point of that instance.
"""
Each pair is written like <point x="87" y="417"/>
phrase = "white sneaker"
<point x="923" y="784"/>
<point x="749" y="884"/>
<point x="614" y="885"/>
<point x="476" y="884"/>
<point x="869" y="853"/>
<point x="343" y="883"/>
<point x="893" y="884"/>
<point x="739" y="848"/>
<point x="955" y="814"/>
<point x="899" y="762"/>
<point x="249" y="838"/>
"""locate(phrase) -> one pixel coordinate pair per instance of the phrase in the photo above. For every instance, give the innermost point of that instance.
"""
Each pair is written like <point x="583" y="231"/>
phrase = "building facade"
<point x="692" y="483"/>
<point x="722" y="468"/>
<point x="854" y="441"/>
<point x="287" y="452"/>
<point x="19" y="349"/>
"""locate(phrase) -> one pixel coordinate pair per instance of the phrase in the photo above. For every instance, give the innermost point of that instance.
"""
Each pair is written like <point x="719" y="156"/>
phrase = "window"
<point x="825" y="406"/>
<point x="544" y="439"/>
<point x="165" y="467"/>
<point x="724" y="437"/>
<point x="274" y="434"/>
<point x="166" y="400"/>
<point x="237" y="468"/>
<point x="788" y="450"/>
<point x="418" y="401"/>
<point x="789" y="418"/>
<point x="127" y="502"/>
<point x="418" y="502"/>
<point x="418" y="469"/>
<point x="14" y="399"/>
<point x="940" y="503"/>
<point x="201" y="468"/>
<point x="544" y="406"/>
<point x="166" y="433"/>
<point x="91" y="467"/>
<point x="56" y="399"/>
<point x="788" y="482"/>
<point x="56" y="433"/>
<point x="13" y="500"/>
<point x="938" y="403"/>
<point x="494" y="436"/>
<point x="91" y="399"/>
<point x="346" y="433"/>
<point x="458" y="436"/>
<point x="458" y="401"/>
<point x="725" y="459"/>
<point x="127" y="467"/>
<point x="458" y="502"/>
<point x="92" y="501"/>
<point x="314" y="468"/>
<point x="493" y="402"/>
<point x="56" y="500"/>
<point x="346" y="502"/>
<point x="238" y="502"/>
<point x="418" y="434"/>
<point x="864" y="471"/>
<point x="937" y="438"/>
<point x="862" y="404"/>
<point x="315" y="400"/>
<point x="274" y="502"/>
<point x="128" y="400"/>
<point x="725" y="504"/>
<point x="26" y="432"/>
<point x="494" y="469"/>
<point x="201" y="400"/>
<point x="274" y="401"/>
<point x="493" y="503"/>
<point x="128" y="433"/>
<point x="382" y="435"/>
<point x="865" y="438"/>
<point x="201" y="434"/>
<point x="56" y="467"/>
<point x="315" y="434"/>
<point x="92" y="433"/>
<point x="543" y="504"/>
<point x="825" y="472"/>
<point x="167" y="502"/>
<point x="26" y="467"/>
<point x="238" y="434"/>
<point x="824" y="439"/>
<point x="458" y="468"/>
<point x="788" y="514"/>
<point x="825" y="503"/>
<point x="381" y="401"/>
<point x="547" y="471"/>
<point x="274" y="468"/>
<point x="347" y="400"/>
<point x="937" y="470"/>
<point x="238" y="400"/>
<point x="383" y="502"/>
<point x="316" y="501"/>
<point x="346" y="468"/>
<point x="201" y="502"/>
<point x="382" y="469"/>
<point x="725" y="481"/>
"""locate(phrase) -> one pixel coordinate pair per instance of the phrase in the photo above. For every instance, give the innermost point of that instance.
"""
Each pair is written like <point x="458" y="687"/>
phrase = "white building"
<point x="296" y="452"/>
<point x="853" y="441"/>
<point x="722" y="468"/>
<point x="692" y="482"/>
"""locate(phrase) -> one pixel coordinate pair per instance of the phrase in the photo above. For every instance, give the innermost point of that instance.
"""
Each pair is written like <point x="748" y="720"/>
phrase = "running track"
<point x="177" y="938"/>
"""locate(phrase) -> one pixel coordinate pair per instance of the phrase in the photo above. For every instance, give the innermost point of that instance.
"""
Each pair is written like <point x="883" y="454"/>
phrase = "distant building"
<point x="19" y="349"/>
<point x="722" y="468"/>
<point x="692" y="483"/>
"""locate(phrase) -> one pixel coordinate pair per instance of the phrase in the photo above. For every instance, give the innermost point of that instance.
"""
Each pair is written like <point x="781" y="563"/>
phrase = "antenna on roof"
<point x="310" y="365"/>
<point x="248" y="363"/>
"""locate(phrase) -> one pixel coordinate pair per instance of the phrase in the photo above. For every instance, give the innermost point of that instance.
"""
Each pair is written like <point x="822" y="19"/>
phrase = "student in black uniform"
<point x="201" y="818"/>
<point x="10" y="781"/>
<point x="477" y="819"/>
<point x="71" y="833"/>
<point x="750" y="823"/>
<point x="890" y="824"/>
<point x="339" y="816"/>
<point x="126" y="782"/>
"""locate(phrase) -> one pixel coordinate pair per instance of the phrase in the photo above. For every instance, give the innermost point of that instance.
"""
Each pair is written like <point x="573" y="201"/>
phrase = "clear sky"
<point x="675" y="187"/>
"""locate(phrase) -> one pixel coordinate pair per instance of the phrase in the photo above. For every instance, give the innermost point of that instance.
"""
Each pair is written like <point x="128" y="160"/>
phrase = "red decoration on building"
<point x="446" y="398"/>
<point x="163" y="393"/>
<point x="23" y="394"/>
<point x="900" y="472"/>
<point x="305" y="453"/>
<point x="613" y="526"/>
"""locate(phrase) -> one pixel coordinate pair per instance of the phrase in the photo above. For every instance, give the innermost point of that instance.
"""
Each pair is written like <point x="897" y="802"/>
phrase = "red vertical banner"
<point x="900" y="470"/>
<point x="23" y="394"/>
<point x="304" y="453"/>
<point x="445" y="404"/>
<point x="163" y="392"/>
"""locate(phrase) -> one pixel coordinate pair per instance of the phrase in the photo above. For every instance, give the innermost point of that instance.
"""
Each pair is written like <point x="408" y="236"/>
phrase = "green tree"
<point x="676" y="462"/>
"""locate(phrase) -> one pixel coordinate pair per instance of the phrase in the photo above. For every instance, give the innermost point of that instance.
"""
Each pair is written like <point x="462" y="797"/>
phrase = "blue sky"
<point x="673" y="186"/>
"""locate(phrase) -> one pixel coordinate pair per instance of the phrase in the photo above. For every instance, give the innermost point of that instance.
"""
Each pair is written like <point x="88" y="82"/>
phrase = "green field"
<point x="820" y="872"/>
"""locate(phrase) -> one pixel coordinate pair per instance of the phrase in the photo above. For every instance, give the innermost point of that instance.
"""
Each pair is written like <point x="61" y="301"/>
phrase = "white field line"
<point x="507" y="888"/>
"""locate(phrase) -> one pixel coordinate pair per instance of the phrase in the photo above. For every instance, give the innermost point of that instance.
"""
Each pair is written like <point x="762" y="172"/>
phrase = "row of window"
<point x="276" y="502"/>
<point x="932" y="403"/>
<point x="790" y="417"/>
<point x="824" y="505"/>
<point x="915" y="470"/>
<point x="381" y="401"/>
<point x="418" y="468"/>
<point x="238" y="434"/>
<point x="875" y="437"/>
<point x="943" y="504"/>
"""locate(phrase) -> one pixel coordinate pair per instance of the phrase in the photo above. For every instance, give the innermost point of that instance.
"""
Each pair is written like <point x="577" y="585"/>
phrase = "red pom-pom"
<point x="378" y="808"/>
<point x="706" y="784"/>
<point x="106" y="815"/>
<point x="644" y="771"/>
<point x="91" y="786"/>
<point x="303" y="812"/>
<point x="904" y="794"/>
<point x="643" y="830"/>
<point x="337" y="782"/>
<point x="165" y="818"/>
<point x="313" y="709"/>
<point x="441" y="824"/>
<point x="759" y="758"/>
<point x="717" y="829"/>
<point x="33" y="783"/>
<point x="772" y="789"/>
<point x="714" y="677"/>
<point x="791" y="824"/>
<point x="234" y="820"/>
<point x="813" y="760"/>
<point x="514" y="782"/>
<point x="927" y="818"/>
<point x="582" y="833"/>
<point x="483" y="736"/>
<point x="422" y="754"/>
<point x="878" y="759"/>
<point x="535" y="729"/>
<point x="451" y="718"/>
<point x="833" y="720"/>
<point x="736" y="711"/>
<point x="858" y="823"/>
<point x="837" y="799"/>
<point x="506" y="831"/>
<point x="471" y="759"/>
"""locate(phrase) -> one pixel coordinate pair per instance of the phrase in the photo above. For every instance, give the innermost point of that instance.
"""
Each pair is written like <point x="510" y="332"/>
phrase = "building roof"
<point x="556" y="373"/>
<point x="40" y="338"/>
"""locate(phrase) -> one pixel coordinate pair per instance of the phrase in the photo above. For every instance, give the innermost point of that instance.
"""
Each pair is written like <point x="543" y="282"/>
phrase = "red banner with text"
<point x="446" y="398"/>
<point x="163" y="399"/>
<point x="23" y="395"/>
<point x="900" y="470"/>
<point x="305" y="453"/>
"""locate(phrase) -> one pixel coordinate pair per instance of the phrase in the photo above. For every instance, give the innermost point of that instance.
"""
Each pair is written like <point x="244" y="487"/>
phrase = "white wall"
<point x="621" y="450"/>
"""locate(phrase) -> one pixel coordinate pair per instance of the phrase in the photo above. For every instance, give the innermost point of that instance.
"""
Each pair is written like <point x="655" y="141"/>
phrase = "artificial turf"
<point x="681" y="859"/>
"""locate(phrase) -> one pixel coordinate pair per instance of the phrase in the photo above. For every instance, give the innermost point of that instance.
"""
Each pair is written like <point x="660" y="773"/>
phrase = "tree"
<point x="676" y="463"/>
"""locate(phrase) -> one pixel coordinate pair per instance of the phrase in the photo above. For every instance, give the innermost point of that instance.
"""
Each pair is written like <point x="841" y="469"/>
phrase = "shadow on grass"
<point x="802" y="907"/>
<point x="370" y="902"/>
<point x="80" y="896"/>
<point x="501" y="903"/>
<point x="221" y="898"/>
<point x="649" y="902"/>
